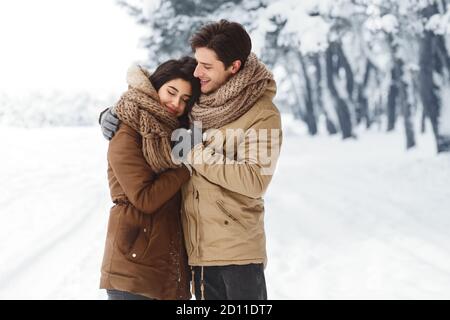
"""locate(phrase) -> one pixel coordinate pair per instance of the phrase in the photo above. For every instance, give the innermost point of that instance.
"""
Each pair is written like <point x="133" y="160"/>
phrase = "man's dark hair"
<point x="182" y="68"/>
<point x="228" y="40"/>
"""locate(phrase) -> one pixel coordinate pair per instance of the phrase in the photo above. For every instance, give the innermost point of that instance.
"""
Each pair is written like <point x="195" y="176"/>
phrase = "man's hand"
<point x="109" y="123"/>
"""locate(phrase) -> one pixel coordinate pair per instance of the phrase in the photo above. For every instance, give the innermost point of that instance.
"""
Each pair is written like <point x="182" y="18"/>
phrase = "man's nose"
<point x="197" y="71"/>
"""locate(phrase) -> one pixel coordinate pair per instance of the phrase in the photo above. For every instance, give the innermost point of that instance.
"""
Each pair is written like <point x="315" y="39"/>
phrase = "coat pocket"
<point x="134" y="234"/>
<point x="139" y="248"/>
<point x="224" y="210"/>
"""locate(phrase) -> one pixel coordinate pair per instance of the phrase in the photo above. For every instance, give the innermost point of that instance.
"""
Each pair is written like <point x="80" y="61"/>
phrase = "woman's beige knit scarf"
<point x="139" y="107"/>
<point x="235" y="97"/>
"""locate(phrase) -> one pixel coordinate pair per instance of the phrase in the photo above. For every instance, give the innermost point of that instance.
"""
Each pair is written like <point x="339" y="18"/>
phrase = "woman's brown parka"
<point x="144" y="250"/>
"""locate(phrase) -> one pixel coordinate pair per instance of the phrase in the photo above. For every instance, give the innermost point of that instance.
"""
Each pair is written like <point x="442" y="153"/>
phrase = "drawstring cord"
<point x="193" y="282"/>
<point x="202" y="286"/>
<point x="202" y="283"/>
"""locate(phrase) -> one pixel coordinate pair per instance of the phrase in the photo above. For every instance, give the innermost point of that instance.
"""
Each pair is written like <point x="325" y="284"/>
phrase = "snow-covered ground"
<point x="356" y="219"/>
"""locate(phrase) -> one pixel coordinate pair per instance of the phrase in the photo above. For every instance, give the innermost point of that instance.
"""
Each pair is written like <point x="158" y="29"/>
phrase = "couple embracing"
<point x="192" y="221"/>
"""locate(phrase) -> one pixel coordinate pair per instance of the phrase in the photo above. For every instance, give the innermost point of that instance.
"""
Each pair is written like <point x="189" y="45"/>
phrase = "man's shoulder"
<point x="263" y="113"/>
<point x="265" y="102"/>
<point x="263" y="107"/>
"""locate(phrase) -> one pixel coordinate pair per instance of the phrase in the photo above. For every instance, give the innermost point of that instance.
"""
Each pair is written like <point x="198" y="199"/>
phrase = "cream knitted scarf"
<point x="139" y="107"/>
<point x="235" y="97"/>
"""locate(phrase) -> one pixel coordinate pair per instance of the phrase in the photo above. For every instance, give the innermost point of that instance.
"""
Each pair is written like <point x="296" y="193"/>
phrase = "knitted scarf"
<point x="235" y="97"/>
<point x="139" y="107"/>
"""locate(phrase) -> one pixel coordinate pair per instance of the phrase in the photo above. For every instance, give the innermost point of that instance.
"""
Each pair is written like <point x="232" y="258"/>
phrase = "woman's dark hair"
<point x="182" y="68"/>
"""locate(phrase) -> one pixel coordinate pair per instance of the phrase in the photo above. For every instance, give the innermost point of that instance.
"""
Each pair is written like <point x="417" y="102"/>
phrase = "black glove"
<point x="181" y="144"/>
<point x="196" y="134"/>
<point x="184" y="140"/>
<point x="109" y="123"/>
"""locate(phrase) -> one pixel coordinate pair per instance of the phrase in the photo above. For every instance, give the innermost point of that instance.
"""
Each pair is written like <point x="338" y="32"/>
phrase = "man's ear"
<point x="235" y="66"/>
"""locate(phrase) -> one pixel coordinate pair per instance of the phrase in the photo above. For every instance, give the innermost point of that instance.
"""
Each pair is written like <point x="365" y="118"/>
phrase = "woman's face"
<point x="174" y="96"/>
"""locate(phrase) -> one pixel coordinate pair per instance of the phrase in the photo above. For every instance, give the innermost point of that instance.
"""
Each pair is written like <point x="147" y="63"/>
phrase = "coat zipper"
<point x="197" y="235"/>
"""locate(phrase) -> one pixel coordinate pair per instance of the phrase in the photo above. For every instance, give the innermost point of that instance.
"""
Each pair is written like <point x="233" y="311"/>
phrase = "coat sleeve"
<point x="251" y="173"/>
<point x="143" y="189"/>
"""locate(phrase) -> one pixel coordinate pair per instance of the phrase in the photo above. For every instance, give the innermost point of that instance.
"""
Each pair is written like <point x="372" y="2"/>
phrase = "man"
<point x="223" y="208"/>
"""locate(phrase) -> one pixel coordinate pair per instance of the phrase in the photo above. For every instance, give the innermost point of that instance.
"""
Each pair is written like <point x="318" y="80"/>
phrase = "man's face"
<point x="210" y="70"/>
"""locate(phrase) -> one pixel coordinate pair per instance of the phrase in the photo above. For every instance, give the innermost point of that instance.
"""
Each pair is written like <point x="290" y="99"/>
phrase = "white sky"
<point x="66" y="45"/>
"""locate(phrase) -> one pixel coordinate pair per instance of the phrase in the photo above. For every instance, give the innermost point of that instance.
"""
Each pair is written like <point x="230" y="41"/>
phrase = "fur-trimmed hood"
<point x="139" y="78"/>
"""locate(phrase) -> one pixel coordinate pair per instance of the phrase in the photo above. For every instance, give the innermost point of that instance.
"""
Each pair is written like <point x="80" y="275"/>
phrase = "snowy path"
<point x="356" y="219"/>
<point x="54" y="205"/>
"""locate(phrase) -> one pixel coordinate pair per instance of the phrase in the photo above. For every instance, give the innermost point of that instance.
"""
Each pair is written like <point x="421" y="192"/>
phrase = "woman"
<point x="144" y="254"/>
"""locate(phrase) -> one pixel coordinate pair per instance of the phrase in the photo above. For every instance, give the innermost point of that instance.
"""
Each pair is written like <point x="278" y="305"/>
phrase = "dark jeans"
<point x="123" y="295"/>
<point x="231" y="282"/>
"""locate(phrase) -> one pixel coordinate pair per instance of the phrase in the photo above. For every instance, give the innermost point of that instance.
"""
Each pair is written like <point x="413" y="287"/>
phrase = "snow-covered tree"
<point x="338" y="62"/>
<point x="435" y="71"/>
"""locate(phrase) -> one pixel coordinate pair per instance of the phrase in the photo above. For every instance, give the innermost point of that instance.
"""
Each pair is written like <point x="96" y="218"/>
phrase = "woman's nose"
<point x="176" y="102"/>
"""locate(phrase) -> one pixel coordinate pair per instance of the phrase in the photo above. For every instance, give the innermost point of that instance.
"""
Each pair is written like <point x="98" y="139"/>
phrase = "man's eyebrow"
<point x="206" y="64"/>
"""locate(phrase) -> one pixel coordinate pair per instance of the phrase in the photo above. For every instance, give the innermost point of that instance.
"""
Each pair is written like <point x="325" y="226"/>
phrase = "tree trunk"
<point x="409" y="127"/>
<point x="311" y="121"/>
<point x="342" y="109"/>
<point x="422" y="121"/>
<point x="433" y="58"/>
<point x="331" y="127"/>
<point x="406" y="108"/>
<point x="393" y="95"/>
<point x="363" y="103"/>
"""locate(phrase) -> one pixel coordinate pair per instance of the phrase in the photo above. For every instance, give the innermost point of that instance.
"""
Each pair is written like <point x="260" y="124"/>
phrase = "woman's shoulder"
<point x="125" y="133"/>
<point x="126" y="129"/>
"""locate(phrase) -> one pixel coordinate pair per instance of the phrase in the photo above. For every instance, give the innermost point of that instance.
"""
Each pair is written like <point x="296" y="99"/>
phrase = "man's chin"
<point x="207" y="89"/>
